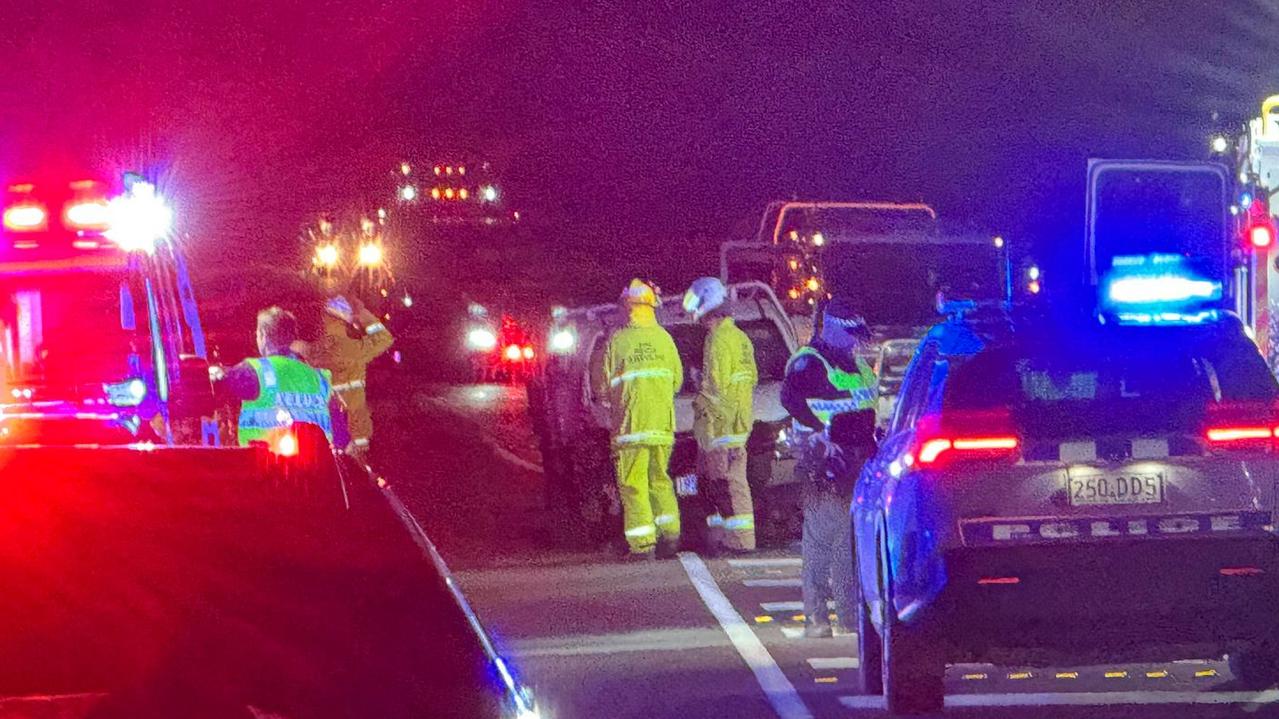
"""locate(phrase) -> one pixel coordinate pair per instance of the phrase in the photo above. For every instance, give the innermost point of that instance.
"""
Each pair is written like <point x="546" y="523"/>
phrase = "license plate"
<point x="686" y="485"/>
<point x="1118" y="488"/>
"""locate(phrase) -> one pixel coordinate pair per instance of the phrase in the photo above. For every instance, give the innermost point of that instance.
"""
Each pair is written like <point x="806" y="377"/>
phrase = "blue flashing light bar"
<point x="1167" y="318"/>
<point x="1161" y="289"/>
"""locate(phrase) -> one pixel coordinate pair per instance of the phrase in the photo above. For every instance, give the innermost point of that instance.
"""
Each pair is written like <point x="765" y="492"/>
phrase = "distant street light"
<point x="408" y="193"/>
<point x="370" y="255"/>
<point x="405" y="168"/>
<point x="1220" y="144"/>
<point x="489" y="193"/>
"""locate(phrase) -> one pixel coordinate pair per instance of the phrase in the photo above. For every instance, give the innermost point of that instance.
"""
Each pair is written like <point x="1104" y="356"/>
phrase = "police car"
<point x="1053" y="491"/>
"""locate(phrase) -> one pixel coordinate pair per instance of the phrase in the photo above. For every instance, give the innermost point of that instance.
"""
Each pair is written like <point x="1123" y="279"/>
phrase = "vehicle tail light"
<point x="937" y="450"/>
<point x="528" y="352"/>
<point x="1236" y="435"/>
<point x="26" y="217"/>
<point x="86" y="215"/>
<point x="513" y="353"/>
<point x="286" y="445"/>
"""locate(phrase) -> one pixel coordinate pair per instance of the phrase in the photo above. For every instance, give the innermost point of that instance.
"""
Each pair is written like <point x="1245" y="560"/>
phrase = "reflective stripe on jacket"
<point x="288" y="391"/>
<point x="640" y="375"/>
<point x="723" y="409"/>
<point x="857" y="391"/>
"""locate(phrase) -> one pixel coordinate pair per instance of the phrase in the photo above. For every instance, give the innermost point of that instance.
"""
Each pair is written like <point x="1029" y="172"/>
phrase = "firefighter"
<point x="350" y="339"/>
<point x="723" y="417"/>
<point x="277" y="389"/>
<point x="830" y="393"/>
<point x="640" y="374"/>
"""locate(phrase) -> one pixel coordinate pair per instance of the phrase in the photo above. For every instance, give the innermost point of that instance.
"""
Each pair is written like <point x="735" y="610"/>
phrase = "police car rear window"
<point x="1121" y="388"/>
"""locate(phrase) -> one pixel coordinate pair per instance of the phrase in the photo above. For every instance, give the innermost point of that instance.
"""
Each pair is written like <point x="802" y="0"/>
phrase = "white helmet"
<point x="705" y="295"/>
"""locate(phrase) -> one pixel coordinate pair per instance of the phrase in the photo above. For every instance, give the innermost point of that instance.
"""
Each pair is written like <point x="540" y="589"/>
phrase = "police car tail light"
<point x="1239" y="437"/>
<point x="937" y="450"/>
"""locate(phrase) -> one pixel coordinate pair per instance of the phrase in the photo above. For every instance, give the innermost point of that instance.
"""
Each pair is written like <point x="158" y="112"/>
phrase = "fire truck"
<point x="100" y="337"/>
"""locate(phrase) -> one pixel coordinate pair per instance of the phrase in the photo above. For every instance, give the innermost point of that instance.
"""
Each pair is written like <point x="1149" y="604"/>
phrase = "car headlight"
<point x="481" y="339"/>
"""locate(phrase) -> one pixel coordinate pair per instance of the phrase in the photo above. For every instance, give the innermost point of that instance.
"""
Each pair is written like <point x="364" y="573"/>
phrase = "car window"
<point x="915" y="388"/>
<point x="1120" y="388"/>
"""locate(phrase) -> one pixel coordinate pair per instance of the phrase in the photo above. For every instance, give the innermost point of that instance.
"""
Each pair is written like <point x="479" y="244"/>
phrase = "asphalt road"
<point x="690" y="637"/>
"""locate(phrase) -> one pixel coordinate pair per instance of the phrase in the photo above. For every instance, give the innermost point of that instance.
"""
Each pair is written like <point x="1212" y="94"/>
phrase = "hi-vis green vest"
<point x="290" y="391"/>
<point x="859" y="390"/>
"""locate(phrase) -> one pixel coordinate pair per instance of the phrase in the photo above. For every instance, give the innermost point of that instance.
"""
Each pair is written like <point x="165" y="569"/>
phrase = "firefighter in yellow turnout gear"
<point x="640" y="375"/>
<point x="724" y="417"/>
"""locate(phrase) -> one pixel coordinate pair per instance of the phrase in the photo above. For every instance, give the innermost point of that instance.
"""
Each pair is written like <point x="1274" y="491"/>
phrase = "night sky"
<point x="640" y="133"/>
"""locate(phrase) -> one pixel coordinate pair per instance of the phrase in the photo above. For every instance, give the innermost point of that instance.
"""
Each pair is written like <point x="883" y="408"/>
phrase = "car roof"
<point x="1057" y="332"/>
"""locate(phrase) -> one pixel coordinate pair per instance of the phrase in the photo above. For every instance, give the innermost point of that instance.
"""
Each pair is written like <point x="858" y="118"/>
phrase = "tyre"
<point x="1256" y="668"/>
<point x="912" y="665"/>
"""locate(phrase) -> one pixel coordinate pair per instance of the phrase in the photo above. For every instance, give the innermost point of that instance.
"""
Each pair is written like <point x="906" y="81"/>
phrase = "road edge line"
<point x="489" y="440"/>
<point x="777" y="688"/>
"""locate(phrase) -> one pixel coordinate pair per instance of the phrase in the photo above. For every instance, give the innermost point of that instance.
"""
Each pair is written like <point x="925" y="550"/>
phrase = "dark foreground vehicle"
<point x="199" y="582"/>
<point x="1047" y="495"/>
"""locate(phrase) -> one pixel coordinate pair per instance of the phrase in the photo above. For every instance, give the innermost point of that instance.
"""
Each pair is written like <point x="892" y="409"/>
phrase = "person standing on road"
<point x="640" y="375"/>
<point x="277" y="389"/>
<point x="350" y="339"/>
<point x="830" y="393"/>
<point x="723" y="417"/>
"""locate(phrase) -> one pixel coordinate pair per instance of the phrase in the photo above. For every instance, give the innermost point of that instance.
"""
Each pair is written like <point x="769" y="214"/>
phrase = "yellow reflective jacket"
<point x="723" y="408"/>
<point x="640" y="375"/>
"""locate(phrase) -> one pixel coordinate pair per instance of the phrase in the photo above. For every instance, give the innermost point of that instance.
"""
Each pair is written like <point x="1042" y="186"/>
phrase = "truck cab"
<point x="100" y="338"/>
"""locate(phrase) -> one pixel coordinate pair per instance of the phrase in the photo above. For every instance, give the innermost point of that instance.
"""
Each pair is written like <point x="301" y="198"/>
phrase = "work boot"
<point x="647" y="555"/>
<point x="667" y="547"/>
<point x="842" y="628"/>
<point x="815" y="628"/>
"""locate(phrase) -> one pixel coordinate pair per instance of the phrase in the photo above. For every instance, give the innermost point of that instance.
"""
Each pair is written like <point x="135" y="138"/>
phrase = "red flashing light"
<point x="86" y="215"/>
<point x="512" y="352"/>
<point x="1261" y="236"/>
<point x="1240" y="571"/>
<point x="25" y="218"/>
<point x="988" y="581"/>
<point x="528" y="352"/>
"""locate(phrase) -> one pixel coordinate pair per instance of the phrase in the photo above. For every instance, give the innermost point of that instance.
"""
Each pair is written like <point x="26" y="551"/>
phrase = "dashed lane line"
<point x="771" y="582"/>
<point x="779" y="690"/>
<point x="831" y="663"/>
<point x="757" y="562"/>
<point x="773" y="607"/>
<point x="1270" y="696"/>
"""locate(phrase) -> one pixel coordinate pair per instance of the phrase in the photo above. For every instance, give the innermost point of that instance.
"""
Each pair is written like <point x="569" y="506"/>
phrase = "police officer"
<point x="640" y="374"/>
<point x="277" y="388"/>
<point x="351" y="338"/>
<point x="830" y="393"/>
<point x="724" y="416"/>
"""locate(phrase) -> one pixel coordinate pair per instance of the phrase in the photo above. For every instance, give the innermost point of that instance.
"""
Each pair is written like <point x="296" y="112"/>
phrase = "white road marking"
<point x="779" y="690"/>
<point x="827" y="663"/>
<point x="782" y="606"/>
<point x="1270" y="696"/>
<point x="771" y="582"/>
<point x="766" y="562"/>
<point x="792" y="632"/>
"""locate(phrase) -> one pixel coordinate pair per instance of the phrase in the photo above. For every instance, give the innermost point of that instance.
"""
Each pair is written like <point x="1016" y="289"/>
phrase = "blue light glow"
<point x="1156" y="289"/>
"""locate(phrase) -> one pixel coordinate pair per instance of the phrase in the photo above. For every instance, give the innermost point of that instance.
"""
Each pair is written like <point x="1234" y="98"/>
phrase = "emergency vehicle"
<point x="100" y="337"/>
<point x="500" y="350"/>
<point x="127" y="549"/>
<point x="573" y="424"/>
<point x="1061" y="489"/>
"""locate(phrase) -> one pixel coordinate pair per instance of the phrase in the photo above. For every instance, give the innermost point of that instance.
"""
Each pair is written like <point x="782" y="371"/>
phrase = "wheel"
<point x="1255" y="668"/>
<point x="912" y="666"/>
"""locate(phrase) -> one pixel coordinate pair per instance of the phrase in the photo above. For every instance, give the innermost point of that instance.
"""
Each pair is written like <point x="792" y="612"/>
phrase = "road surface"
<point x="691" y="637"/>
